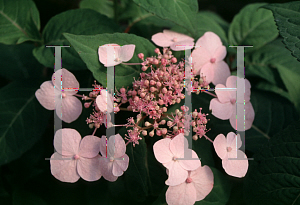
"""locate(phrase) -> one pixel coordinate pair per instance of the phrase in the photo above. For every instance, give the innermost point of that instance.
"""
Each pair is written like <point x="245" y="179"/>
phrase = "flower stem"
<point x="209" y="93"/>
<point x="208" y="138"/>
<point x="261" y="132"/>
<point x="94" y="131"/>
<point x="132" y="63"/>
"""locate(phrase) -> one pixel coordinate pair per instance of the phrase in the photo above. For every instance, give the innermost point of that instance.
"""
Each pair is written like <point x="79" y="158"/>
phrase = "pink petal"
<point x="102" y="52"/>
<point x="182" y="45"/>
<point x="69" y="109"/>
<point x="221" y="72"/>
<point x="106" y="169"/>
<point x="177" y="174"/>
<point x="231" y="83"/>
<point x="66" y="141"/>
<point x="120" y="165"/>
<point x="190" y="164"/>
<point x="63" y="79"/>
<point x="126" y="52"/>
<point x="199" y="58"/>
<point x="220" y="53"/>
<point x="220" y="145"/>
<point x="105" y="102"/>
<point x="234" y="141"/>
<point x="46" y="96"/>
<point x="89" y="169"/>
<point x="103" y="147"/>
<point x="116" y="146"/>
<point x="249" y="118"/>
<point x="236" y="168"/>
<point x="161" y="39"/>
<point x="224" y="94"/>
<point x="203" y="180"/>
<point x="182" y="194"/>
<point x="63" y="168"/>
<point x="221" y="110"/>
<point x="180" y="37"/>
<point x="178" y="145"/>
<point x="89" y="146"/>
<point x="162" y="150"/>
<point x="208" y="71"/>
<point x="210" y="41"/>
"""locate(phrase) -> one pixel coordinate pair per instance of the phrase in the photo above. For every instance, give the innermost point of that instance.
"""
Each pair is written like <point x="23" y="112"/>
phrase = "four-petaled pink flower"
<point x="58" y="95"/>
<point x="113" y="54"/>
<point x="75" y="157"/>
<point x="175" y="156"/>
<point x="208" y="59"/>
<point x="114" y="161"/>
<point x="224" y="107"/>
<point x="105" y="102"/>
<point x="176" y="41"/>
<point x="229" y="148"/>
<point x="196" y="187"/>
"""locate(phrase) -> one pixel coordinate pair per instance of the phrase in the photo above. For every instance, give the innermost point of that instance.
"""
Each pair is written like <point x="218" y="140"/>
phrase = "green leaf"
<point x="287" y="19"/>
<point x="218" y="19"/>
<point x="272" y="114"/>
<point x="80" y="22"/>
<point x="136" y="176"/>
<point x="273" y="176"/>
<point x="181" y="12"/>
<point x="252" y="26"/>
<point x="220" y="193"/>
<point x="18" y="62"/>
<point x="104" y="7"/>
<point x="87" y="47"/>
<point x="19" y="21"/>
<point x="23" y="119"/>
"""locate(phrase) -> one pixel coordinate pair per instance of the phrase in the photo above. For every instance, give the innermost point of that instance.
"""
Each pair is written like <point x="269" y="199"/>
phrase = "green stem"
<point x="261" y="132"/>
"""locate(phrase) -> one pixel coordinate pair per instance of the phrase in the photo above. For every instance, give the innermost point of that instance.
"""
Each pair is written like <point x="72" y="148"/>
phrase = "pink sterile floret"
<point x="224" y="107"/>
<point x="105" y="102"/>
<point x="229" y="148"/>
<point x="208" y="59"/>
<point x="75" y="157"/>
<point x="196" y="187"/>
<point x="113" y="54"/>
<point x="114" y="161"/>
<point x="176" y="41"/>
<point x="58" y="95"/>
<point x="176" y="157"/>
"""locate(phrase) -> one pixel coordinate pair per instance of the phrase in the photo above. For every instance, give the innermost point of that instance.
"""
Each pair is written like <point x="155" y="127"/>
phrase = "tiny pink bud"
<point x="152" y="89"/>
<point x="144" y="132"/>
<point x="133" y="93"/>
<point x="158" y="84"/>
<point x="193" y="123"/>
<point x="156" y="50"/>
<point x="141" y="55"/>
<point x="155" y="62"/>
<point x="151" y="134"/>
<point x="142" y="95"/>
<point x="142" y="75"/>
<point x="169" y="123"/>
<point x="164" y="131"/>
<point x="166" y="56"/>
<point x="144" y="68"/>
<point x="87" y="104"/>
<point x="161" y="102"/>
<point x="136" y="98"/>
<point x="178" y="100"/>
<point x="158" y="132"/>
<point x="146" y="82"/>
<point x="163" y="61"/>
<point x="152" y="82"/>
<point x="122" y="90"/>
<point x="174" y="60"/>
<point x="164" y="109"/>
<point x="164" y="90"/>
<point x="195" y="137"/>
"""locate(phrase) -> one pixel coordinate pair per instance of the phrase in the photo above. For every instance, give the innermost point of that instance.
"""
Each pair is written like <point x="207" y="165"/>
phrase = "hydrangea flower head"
<point x="121" y="54"/>
<point x="224" y="107"/>
<point x="229" y="148"/>
<point x="75" y="157"/>
<point x="171" y="154"/>
<point x="176" y="41"/>
<point x="208" y="59"/>
<point x="196" y="187"/>
<point x="58" y="95"/>
<point x="114" y="161"/>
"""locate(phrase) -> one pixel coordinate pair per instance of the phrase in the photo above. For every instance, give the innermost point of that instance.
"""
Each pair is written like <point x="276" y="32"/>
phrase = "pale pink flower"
<point x="196" y="187"/>
<point x="105" y="102"/>
<point x="119" y="54"/>
<point x="114" y="161"/>
<point x="58" y="95"/>
<point x="75" y="157"/>
<point x="176" y="41"/>
<point x="208" y="59"/>
<point x="171" y="154"/>
<point x="229" y="148"/>
<point x="224" y="107"/>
